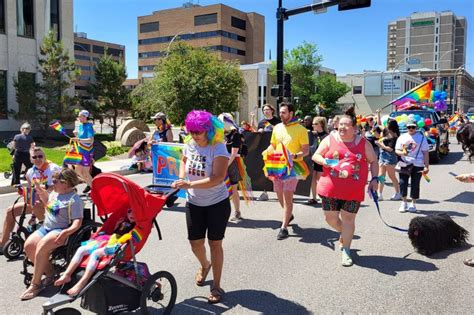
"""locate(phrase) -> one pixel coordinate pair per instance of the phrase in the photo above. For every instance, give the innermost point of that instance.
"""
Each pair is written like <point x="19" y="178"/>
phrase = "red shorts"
<point x="288" y="184"/>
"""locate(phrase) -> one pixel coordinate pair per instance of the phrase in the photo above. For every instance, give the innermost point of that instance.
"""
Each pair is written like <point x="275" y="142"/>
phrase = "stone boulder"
<point x="131" y="136"/>
<point x="129" y="124"/>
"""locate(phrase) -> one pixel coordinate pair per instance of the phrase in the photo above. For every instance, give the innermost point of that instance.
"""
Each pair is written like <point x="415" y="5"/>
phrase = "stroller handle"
<point x="163" y="190"/>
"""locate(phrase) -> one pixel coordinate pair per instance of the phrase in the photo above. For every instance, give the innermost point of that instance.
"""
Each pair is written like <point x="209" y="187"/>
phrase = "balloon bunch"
<point x="403" y="119"/>
<point x="438" y="99"/>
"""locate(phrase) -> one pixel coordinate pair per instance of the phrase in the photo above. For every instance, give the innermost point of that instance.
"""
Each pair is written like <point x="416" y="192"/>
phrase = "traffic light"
<point x="287" y="85"/>
<point x="353" y="4"/>
<point x="274" y="90"/>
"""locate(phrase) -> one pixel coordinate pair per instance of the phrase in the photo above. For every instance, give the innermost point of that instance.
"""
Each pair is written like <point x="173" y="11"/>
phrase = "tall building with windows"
<point x="427" y="40"/>
<point x="231" y="34"/>
<point x="87" y="53"/>
<point x="23" y="25"/>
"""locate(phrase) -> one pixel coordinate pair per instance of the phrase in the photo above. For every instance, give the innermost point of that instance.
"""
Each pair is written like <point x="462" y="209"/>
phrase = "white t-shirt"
<point x="412" y="146"/>
<point x="45" y="177"/>
<point x="199" y="163"/>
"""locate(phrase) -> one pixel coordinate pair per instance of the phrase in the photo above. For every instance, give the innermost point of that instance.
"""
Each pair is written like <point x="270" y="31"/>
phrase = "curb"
<point x="10" y="189"/>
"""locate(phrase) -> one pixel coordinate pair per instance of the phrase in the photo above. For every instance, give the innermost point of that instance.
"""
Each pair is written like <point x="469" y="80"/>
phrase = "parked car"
<point x="437" y="132"/>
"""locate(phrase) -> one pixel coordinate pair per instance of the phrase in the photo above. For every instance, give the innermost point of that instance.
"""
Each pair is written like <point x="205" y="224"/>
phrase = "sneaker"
<point x="346" y="257"/>
<point x="403" y="207"/>
<point x="412" y="208"/>
<point x="380" y="197"/>
<point x="236" y="217"/>
<point x="87" y="189"/>
<point x="282" y="234"/>
<point x="311" y="202"/>
<point x="263" y="196"/>
<point x="397" y="196"/>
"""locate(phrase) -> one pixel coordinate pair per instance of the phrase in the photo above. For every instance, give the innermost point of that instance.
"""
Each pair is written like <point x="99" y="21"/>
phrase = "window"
<point x="86" y="68"/>
<point x="146" y="68"/>
<point x="25" y="18"/>
<point x="165" y="39"/>
<point x="27" y="86"/>
<point x="406" y="50"/>
<point x="83" y="47"/>
<point x="2" y="16"/>
<point x="151" y="54"/>
<point x="238" y="23"/>
<point x="205" y="19"/>
<point x="115" y="52"/>
<point x="54" y="18"/>
<point x="357" y="90"/>
<point x="436" y="30"/>
<point x="3" y="95"/>
<point x="82" y="57"/>
<point x="98" y="49"/>
<point x="149" y="27"/>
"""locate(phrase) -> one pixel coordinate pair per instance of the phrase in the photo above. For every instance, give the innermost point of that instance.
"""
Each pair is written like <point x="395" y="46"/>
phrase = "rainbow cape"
<point x="419" y="94"/>
<point x="245" y="185"/>
<point x="228" y="185"/>
<point x="56" y="125"/>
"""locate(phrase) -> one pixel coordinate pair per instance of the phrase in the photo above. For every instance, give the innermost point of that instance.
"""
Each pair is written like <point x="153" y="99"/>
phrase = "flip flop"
<point x="216" y="296"/>
<point x="469" y="262"/>
<point x="32" y="291"/>
<point x="201" y="275"/>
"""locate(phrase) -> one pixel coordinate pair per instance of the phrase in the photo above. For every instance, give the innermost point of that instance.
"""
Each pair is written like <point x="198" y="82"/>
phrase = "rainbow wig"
<point x="201" y="120"/>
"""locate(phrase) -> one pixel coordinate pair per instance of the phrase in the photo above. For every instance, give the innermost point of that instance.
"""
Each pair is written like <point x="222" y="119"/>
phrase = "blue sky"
<point x="349" y="41"/>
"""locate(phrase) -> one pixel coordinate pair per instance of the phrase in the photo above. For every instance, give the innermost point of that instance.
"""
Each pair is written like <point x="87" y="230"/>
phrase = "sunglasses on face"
<point x="411" y="127"/>
<point x="196" y="132"/>
<point x="315" y="124"/>
<point x="34" y="157"/>
<point x="55" y="181"/>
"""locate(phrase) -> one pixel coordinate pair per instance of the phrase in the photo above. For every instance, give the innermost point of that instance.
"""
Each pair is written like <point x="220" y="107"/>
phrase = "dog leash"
<point x="375" y="198"/>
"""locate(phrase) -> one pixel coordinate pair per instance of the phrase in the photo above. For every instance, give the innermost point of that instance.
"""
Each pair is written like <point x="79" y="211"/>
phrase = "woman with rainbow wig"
<point x="202" y="172"/>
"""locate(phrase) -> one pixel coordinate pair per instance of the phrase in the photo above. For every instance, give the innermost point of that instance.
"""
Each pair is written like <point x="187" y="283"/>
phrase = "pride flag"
<point x="29" y="195"/>
<point x="452" y="121"/>
<point x="419" y="94"/>
<point x="56" y="125"/>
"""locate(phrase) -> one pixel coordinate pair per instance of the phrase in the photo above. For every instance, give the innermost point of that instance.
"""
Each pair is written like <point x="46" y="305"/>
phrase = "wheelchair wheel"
<point x="82" y="235"/>
<point x="13" y="248"/>
<point x="158" y="294"/>
<point x="7" y="175"/>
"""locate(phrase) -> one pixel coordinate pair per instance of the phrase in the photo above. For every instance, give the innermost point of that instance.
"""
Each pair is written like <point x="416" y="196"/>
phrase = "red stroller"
<point x="120" y="282"/>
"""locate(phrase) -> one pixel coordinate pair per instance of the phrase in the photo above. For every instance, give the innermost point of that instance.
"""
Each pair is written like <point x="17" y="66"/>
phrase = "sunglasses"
<point x="196" y="132"/>
<point x="34" y="157"/>
<point x="411" y="127"/>
<point x="315" y="124"/>
<point x="55" y="181"/>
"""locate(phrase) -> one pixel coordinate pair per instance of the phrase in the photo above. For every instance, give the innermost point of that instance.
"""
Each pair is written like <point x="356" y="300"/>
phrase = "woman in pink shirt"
<point x="345" y="156"/>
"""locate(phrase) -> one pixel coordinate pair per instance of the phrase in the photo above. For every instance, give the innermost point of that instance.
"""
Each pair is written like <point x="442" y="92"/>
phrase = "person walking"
<point x="202" y="172"/>
<point x="345" y="157"/>
<point x="22" y="143"/>
<point x="413" y="149"/>
<point x="388" y="158"/>
<point x="85" y="138"/>
<point x="294" y="137"/>
<point x="320" y="131"/>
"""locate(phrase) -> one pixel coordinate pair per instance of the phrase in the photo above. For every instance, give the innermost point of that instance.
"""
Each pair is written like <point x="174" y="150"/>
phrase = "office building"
<point x="87" y="53"/>
<point x="229" y="33"/>
<point x="429" y="40"/>
<point x="23" y="25"/>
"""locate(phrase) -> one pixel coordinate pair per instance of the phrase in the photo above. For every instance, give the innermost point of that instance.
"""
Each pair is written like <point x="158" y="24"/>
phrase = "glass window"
<point x="54" y="18"/>
<point x="82" y="57"/>
<point x="115" y="52"/>
<point x="3" y="95"/>
<point x="98" y="49"/>
<point x="149" y="27"/>
<point x="238" y="23"/>
<point x="205" y="19"/>
<point x="2" y="16"/>
<point x="25" y="18"/>
<point x="82" y="47"/>
<point x="357" y="90"/>
<point x="27" y="86"/>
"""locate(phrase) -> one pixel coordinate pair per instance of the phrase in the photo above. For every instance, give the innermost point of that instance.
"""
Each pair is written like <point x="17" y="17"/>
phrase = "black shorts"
<point x="233" y="172"/>
<point x="317" y="167"/>
<point x="212" y="219"/>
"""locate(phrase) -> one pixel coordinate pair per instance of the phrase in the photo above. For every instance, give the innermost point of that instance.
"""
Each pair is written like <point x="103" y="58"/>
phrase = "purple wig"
<point x="201" y="120"/>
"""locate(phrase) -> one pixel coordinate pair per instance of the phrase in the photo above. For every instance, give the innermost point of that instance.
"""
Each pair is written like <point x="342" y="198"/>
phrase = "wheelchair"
<point x="61" y="256"/>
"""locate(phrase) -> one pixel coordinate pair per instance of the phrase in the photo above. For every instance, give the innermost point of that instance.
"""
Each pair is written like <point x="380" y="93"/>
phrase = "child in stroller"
<point x="100" y="246"/>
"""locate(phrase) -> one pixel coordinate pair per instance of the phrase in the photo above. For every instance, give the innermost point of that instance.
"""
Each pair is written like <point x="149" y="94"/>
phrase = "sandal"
<point x="215" y="296"/>
<point x="201" y="275"/>
<point x="469" y="262"/>
<point x="32" y="291"/>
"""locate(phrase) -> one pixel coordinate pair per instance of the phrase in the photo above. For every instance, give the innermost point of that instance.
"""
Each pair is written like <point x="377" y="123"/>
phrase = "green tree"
<point x="26" y="89"/>
<point x="107" y="90"/>
<point x="58" y="73"/>
<point x="189" y="78"/>
<point x="329" y="91"/>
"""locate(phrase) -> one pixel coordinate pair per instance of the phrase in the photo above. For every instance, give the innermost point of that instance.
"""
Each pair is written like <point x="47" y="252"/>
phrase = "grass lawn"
<point x="54" y="150"/>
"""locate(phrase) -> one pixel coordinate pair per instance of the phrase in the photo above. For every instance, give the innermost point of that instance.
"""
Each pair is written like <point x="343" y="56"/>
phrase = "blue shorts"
<point x="387" y="158"/>
<point x="42" y="231"/>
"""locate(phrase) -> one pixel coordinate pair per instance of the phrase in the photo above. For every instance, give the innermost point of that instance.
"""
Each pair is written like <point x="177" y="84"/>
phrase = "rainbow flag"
<point x="277" y="164"/>
<point x="245" y="185"/>
<point x="419" y="94"/>
<point x="452" y="121"/>
<point x="136" y="236"/>
<point x="228" y="185"/>
<point x="56" y="125"/>
<point x="29" y="195"/>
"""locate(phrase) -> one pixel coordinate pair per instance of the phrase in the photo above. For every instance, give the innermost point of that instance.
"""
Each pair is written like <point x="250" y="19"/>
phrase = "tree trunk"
<point x="115" y="122"/>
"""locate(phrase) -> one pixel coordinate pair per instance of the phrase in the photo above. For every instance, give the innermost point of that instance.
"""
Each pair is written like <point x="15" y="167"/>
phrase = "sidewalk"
<point x="118" y="166"/>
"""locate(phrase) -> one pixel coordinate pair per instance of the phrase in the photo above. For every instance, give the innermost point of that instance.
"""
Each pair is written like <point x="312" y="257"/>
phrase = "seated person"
<point x="100" y="246"/>
<point x="142" y="160"/>
<point x="41" y="172"/>
<point x="63" y="217"/>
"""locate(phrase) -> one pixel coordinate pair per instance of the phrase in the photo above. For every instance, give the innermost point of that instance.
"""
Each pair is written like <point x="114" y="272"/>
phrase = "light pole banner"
<point x="166" y="159"/>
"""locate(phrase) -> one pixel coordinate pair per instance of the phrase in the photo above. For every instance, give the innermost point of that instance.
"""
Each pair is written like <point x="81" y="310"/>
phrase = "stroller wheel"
<point x="158" y="294"/>
<point x="7" y="175"/>
<point x="13" y="248"/>
<point x="64" y="311"/>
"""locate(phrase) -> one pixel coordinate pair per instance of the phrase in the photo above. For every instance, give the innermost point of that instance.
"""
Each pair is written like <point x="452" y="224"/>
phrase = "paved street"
<point x="303" y="273"/>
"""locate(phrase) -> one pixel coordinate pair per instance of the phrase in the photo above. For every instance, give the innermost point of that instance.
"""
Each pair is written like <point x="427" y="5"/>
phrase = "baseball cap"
<point x="84" y="113"/>
<point x="411" y="122"/>
<point x="159" y="115"/>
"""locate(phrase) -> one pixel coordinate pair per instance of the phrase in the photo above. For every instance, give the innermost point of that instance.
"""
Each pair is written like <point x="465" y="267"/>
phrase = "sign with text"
<point x="166" y="159"/>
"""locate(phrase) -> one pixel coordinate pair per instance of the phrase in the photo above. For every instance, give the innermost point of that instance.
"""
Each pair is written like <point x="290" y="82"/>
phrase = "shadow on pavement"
<point x="253" y="224"/>
<point x="426" y="202"/>
<point x="450" y="213"/>
<point x="325" y="237"/>
<point x="464" y="197"/>
<point x="451" y="158"/>
<point x="244" y="301"/>
<point x="445" y="253"/>
<point x="391" y="265"/>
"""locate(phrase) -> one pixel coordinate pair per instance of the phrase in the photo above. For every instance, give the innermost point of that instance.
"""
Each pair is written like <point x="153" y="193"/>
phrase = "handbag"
<point x="407" y="169"/>
<point x="72" y="157"/>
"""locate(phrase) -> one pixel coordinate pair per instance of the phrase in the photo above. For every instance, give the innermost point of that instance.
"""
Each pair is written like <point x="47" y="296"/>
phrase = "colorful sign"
<point x="166" y="159"/>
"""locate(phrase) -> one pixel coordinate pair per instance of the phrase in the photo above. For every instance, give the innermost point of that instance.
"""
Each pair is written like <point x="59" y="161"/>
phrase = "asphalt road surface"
<point x="303" y="273"/>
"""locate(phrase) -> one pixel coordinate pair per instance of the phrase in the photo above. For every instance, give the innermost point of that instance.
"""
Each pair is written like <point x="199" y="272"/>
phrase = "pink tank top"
<point x="347" y="180"/>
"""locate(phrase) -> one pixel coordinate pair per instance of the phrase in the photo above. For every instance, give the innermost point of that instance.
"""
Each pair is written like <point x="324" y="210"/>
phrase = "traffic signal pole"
<point x="283" y="15"/>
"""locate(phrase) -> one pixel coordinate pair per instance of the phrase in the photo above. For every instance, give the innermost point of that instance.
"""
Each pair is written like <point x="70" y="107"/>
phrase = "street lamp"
<point x="460" y="70"/>
<point x="172" y="40"/>
<point x="439" y="70"/>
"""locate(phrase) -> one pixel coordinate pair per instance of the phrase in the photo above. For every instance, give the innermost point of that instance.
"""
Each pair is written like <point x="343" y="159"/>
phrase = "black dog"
<point x="435" y="233"/>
